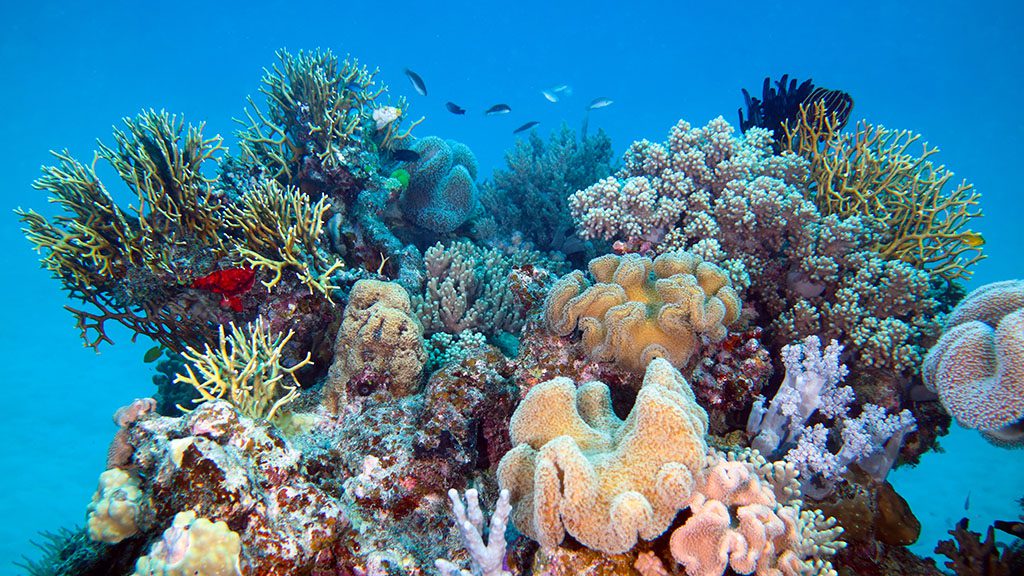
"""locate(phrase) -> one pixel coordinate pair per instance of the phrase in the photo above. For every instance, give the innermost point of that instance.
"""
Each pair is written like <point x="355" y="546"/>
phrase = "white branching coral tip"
<point x="485" y="559"/>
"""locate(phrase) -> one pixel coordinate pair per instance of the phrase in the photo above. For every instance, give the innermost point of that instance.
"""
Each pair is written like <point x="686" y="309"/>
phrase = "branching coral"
<point x="639" y="309"/>
<point x="870" y="173"/>
<point x="319" y="118"/>
<point x="283" y="229"/>
<point x="246" y="370"/>
<point x="132" y="266"/>
<point x="977" y="366"/>
<point x="467" y="288"/>
<point x="577" y="468"/>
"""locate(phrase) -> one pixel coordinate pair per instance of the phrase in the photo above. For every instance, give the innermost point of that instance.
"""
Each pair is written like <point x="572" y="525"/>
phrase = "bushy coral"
<point x="977" y="366"/>
<point x="578" y="469"/>
<point x="380" y="340"/>
<point x="531" y="195"/>
<point x="442" y="190"/>
<point x="639" y="309"/>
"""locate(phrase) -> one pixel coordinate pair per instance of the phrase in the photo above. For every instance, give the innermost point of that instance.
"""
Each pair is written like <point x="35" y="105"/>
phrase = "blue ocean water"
<point x="951" y="71"/>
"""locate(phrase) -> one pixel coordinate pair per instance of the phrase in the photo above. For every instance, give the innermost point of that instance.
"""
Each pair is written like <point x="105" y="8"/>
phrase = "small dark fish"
<point x="525" y="127"/>
<point x="417" y="82"/>
<point x="454" y="108"/>
<point x="405" y="155"/>
<point x="152" y="354"/>
<point x="600" y="103"/>
<point x="498" y="109"/>
<point x="967" y="502"/>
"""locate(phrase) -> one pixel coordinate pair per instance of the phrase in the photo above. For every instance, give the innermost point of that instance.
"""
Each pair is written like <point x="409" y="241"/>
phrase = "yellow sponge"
<point x="115" y="507"/>
<point x="193" y="546"/>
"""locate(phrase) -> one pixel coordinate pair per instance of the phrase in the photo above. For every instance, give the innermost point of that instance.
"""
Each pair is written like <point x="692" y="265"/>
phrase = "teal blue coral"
<point x="442" y="190"/>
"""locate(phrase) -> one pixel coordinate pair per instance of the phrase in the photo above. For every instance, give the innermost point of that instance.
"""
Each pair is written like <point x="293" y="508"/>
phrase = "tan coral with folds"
<point x="638" y="309"/>
<point x="577" y="468"/>
<point x="379" y="334"/>
<point x="744" y="516"/>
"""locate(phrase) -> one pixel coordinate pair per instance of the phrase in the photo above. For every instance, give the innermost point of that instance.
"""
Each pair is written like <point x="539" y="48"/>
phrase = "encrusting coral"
<point x="977" y="366"/>
<point x="578" y="469"/>
<point x="380" y="340"/>
<point x="639" y="309"/>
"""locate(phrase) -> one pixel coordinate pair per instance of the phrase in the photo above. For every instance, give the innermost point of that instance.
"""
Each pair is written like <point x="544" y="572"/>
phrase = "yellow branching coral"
<point x="311" y="98"/>
<point x="282" y="228"/>
<point x="246" y="370"/>
<point x="122" y="261"/>
<point x="871" y="173"/>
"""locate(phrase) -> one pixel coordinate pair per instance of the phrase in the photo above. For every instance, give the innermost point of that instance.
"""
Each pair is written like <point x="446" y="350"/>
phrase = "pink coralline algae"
<point x="977" y="367"/>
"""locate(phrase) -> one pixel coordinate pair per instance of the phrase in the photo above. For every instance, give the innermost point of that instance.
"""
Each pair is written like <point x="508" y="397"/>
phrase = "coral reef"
<point x="970" y="556"/>
<point x="442" y="191"/>
<point x="380" y="340"/>
<point x="639" y="309"/>
<point x="531" y="196"/>
<point x="577" y="468"/>
<point x="977" y="366"/>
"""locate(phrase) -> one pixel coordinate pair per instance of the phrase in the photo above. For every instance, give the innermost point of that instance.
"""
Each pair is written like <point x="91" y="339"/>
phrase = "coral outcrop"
<point x="193" y="546"/>
<point x="638" y="309"/>
<point x="380" y="340"/>
<point x="115" y="507"/>
<point x="578" y="469"/>
<point x="977" y="367"/>
<point x="442" y="190"/>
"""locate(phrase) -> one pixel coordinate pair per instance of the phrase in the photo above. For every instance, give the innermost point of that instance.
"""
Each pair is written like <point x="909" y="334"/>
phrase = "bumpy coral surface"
<point x="193" y="546"/>
<point x="115" y="507"/>
<point x="746" y="518"/>
<point x="977" y="367"/>
<point x="380" y="338"/>
<point x="577" y="468"/>
<point x="638" y="309"/>
<point x="442" y="190"/>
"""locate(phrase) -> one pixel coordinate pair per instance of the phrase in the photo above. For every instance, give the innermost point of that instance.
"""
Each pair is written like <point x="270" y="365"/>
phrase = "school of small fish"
<point x="553" y="95"/>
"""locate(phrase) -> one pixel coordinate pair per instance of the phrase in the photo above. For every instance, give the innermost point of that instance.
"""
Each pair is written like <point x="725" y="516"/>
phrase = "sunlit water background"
<point x="951" y="71"/>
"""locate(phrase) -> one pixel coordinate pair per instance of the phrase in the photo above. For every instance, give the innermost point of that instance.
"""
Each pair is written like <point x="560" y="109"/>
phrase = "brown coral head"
<point x="638" y="309"/>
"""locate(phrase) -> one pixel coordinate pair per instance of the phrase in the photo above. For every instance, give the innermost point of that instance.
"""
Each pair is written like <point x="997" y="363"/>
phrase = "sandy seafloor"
<point x="949" y="70"/>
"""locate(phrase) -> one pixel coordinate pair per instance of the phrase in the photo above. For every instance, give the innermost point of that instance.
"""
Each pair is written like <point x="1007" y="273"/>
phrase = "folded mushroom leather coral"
<point x="977" y="367"/>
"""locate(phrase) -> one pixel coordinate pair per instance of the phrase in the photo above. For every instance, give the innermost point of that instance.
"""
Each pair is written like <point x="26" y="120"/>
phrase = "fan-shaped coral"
<point x="578" y="468"/>
<point x="638" y="309"/>
<point x="977" y="367"/>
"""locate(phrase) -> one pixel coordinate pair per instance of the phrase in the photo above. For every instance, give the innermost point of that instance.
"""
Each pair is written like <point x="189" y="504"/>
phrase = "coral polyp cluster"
<point x="358" y="341"/>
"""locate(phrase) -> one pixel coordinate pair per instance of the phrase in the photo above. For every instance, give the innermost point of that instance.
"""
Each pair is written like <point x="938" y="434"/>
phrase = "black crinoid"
<point x="781" y="104"/>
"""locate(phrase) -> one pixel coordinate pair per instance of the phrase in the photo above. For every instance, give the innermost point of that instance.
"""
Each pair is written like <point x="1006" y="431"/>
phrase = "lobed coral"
<point x="578" y="469"/>
<point x="639" y="309"/>
<point x="380" y="340"/>
<point x="192" y="546"/>
<point x="442" y="191"/>
<point x="977" y="366"/>
<point x="115" y="508"/>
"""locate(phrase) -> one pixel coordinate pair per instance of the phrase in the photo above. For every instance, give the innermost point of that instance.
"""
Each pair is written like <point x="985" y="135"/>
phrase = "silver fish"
<point x="550" y="96"/>
<point x="600" y="103"/>
<point x="563" y="88"/>
<point x="417" y="82"/>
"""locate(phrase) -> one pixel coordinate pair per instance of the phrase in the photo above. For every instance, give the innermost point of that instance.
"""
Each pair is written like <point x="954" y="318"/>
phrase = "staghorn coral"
<point x="970" y="556"/>
<point x="320" y="118"/>
<point x="870" y="173"/>
<point x="485" y="559"/>
<point x="468" y="288"/>
<point x="115" y="510"/>
<point x="442" y="191"/>
<point x="380" y="339"/>
<point x="743" y="515"/>
<point x="577" y="468"/>
<point x="192" y="546"/>
<point x="639" y="309"/>
<point x="282" y="231"/>
<point x="246" y="369"/>
<point x="977" y="366"/>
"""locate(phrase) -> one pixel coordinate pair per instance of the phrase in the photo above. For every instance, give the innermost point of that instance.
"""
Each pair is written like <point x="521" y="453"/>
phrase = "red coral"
<point x="230" y="283"/>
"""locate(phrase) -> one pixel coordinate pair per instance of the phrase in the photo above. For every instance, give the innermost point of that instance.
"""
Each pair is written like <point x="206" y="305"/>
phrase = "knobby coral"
<point x="193" y="546"/>
<point x="442" y="190"/>
<point x="977" y="366"/>
<point x="639" y="309"/>
<point x="577" y="468"/>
